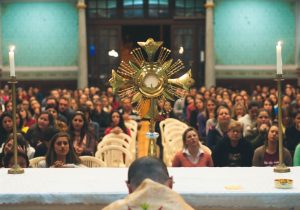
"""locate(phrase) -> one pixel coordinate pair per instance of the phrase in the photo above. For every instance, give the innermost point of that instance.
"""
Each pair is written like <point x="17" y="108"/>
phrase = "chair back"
<point x="114" y="156"/>
<point x="171" y="131"/>
<point x="169" y="123"/>
<point x="119" y="139"/>
<point x="91" y="162"/>
<point x="34" y="162"/>
<point x="132" y="125"/>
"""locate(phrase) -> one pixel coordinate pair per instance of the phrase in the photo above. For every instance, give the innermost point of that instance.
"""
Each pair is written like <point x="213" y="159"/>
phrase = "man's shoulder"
<point x="146" y="194"/>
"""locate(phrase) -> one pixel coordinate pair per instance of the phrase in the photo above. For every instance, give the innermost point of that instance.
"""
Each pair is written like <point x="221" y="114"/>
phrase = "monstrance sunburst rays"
<point x="147" y="80"/>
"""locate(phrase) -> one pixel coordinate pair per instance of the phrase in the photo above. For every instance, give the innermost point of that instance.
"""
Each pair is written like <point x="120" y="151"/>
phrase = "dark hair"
<point x="121" y="122"/>
<point x="252" y="104"/>
<point x="51" y="155"/>
<point x="147" y="168"/>
<point x="10" y="155"/>
<point x="221" y="106"/>
<point x="206" y="113"/>
<point x="273" y="123"/>
<point x="84" y="128"/>
<point x="295" y="113"/>
<point x="3" y="115"/>
<point x="272" y="113"/>
<point x="50" y="118"/>
<point x="51" y="106"/>
<point x="21" y="141"/>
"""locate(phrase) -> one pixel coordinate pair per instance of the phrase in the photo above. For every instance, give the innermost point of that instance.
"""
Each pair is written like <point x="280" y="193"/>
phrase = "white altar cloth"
<point x="96" y="187"/>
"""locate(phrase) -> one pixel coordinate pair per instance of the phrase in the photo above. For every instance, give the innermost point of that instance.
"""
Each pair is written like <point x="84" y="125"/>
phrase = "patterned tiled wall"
<point x="45" y="33"/>
<point x="246" y="31"/>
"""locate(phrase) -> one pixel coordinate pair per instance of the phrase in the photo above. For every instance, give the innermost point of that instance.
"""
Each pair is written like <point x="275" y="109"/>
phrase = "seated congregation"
<point x="214" y="127"/>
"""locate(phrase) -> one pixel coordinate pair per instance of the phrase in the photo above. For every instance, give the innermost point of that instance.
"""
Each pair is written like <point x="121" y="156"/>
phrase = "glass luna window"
<point x="189" y="8"/>
<point x="158" y="8"/>
<point x="133" y="8"/>
<point x="102" y="8"/>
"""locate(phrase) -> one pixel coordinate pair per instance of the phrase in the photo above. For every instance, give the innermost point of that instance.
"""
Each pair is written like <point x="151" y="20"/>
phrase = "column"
<point x="297" y="43"/>
<point x="82" y="78"/>
<point x="210" y="75"/>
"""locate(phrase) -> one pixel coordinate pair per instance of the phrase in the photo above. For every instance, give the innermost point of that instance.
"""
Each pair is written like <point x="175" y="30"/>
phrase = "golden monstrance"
<point x="148" y="80"/>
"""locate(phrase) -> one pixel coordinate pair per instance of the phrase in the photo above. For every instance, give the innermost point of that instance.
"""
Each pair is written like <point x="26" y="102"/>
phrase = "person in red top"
<point x="192" y="154"/>
<point x="117" y="124"/>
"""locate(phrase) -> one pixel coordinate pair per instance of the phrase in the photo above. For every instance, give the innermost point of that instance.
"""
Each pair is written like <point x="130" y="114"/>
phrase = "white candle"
<point x="12" y="61"/>
<point x="279" y="59"/>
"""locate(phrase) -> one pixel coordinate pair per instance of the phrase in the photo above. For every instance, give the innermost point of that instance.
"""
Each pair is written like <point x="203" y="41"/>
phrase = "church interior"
<point x="154" y="104"/>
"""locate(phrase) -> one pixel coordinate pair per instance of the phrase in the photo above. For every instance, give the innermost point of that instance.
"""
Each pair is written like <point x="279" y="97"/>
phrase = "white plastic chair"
<point x="110" y="154"/>
<point x="34" y="162"/>
<point x="115" y="139"/>
<point x="168" y="123"/>
<point x="132" y="125"/>
<point x="91" y="162"/>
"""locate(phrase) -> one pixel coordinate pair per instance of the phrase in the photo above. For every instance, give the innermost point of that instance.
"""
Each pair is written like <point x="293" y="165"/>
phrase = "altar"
<point x="93" y="188"/>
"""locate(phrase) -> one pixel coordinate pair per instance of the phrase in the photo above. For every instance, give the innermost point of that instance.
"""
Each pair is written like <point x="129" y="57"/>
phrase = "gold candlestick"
<point x="281" y="167"/>
<point x="16" y="169"/>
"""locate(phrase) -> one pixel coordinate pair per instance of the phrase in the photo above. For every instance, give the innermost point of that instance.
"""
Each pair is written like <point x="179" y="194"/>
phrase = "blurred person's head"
<point x="235" y="131"/>
<point x="9" y="144"/>
<point x="8" y="106"/>
<point x="147" y="168"/>
<point x="253" y="108"/>
<point x="272" y="137"/>
<point x="63" y="104"/>
<point x="45" y="120"/>
<point x="263" y="117"/>
<point x="126" y="104"/>
<point x="9" y="161"/>
<point x="52" y="109"/>
<point x="6" y="121"/>
<point x="286" y="101"/>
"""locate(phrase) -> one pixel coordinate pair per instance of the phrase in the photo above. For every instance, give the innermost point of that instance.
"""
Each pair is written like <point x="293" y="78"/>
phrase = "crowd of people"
<point x="227" y="127"/>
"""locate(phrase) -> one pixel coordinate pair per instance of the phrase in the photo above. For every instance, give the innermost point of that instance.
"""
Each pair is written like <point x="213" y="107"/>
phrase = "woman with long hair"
<point x="61" y="153"/>
<point x="37" y="133"/>
<point x="84" y="140"/>
<point x="117" y="124"/>
<point x="268" y="154"/>
<point x="207" y="114"/>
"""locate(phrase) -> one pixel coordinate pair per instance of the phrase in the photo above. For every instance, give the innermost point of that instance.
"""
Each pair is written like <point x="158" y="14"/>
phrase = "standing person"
<point x="192" y="154"/>
<point x="61" y="153"/>
<point x="149" y="183"/>
<point x="268" y="154"/>
<point x="233" y="150"/>
<point x="84" y="141"/>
